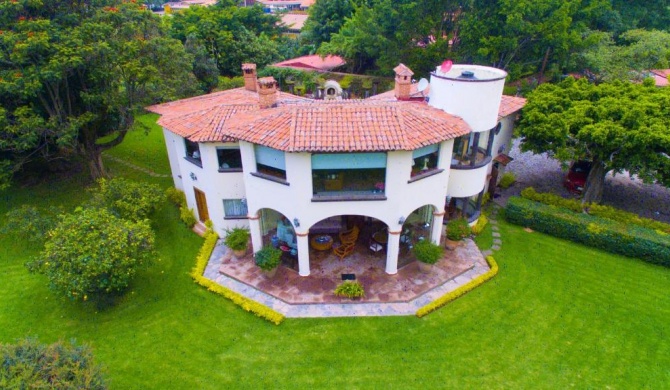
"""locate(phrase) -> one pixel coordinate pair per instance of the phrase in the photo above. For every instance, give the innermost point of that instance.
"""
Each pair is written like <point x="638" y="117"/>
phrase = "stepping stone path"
<point x="133" y="166"/>
<point x="497" y="240"/>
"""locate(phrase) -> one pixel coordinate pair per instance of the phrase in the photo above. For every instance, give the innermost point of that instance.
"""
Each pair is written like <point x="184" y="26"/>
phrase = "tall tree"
<point x="73" y="72"/>
<point x="326" y="17"/>
<point x="618" y="126"/>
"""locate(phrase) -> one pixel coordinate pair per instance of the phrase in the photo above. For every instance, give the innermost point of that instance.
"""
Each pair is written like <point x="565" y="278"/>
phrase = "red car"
<point x="576" y="177"/>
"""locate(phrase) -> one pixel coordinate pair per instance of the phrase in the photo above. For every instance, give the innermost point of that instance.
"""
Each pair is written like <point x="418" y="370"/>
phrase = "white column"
<point x="303" y="253"/>
<point x="436" y="233"/>
<point x="392" y="250"/>
<point x="255" y="230"/>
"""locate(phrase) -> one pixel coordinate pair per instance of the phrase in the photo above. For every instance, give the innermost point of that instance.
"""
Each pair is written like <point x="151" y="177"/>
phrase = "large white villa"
<point x="299" y="170"/>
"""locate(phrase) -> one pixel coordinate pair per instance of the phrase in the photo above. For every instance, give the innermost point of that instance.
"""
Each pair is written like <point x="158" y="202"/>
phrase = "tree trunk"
<point x="595" y="182"/>
<point x="544" y="65"/>
<point x="95" y="165"/>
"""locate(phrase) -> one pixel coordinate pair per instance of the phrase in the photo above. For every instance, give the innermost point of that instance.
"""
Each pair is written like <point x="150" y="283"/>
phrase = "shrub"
<point x="126" y="198"/>
<point x="92" y="253"/>
<point x="612" y="236"/>
<point x="350" y="290"/>
<point x="268" y="258"/>
<point x="237" y="238"/>
<point x="594" y="209"/>
<point x="458" y="229"/>
<point x="30" y="365"/>
<point x="471" y="285"/>
<point x="29" y="222"/>
<point x="480" y="225"/>
<point x="427" y="252"/>
<point x="175" y="196"/>
<point x="245" y="303"/>
<point x="187" y="216"/>
<point x="507" y="180"/>
<point x="230" y="82"/>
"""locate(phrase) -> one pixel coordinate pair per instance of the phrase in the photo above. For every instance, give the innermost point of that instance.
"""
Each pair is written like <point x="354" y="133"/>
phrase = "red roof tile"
<point x="314" y="62"/>
<point x="403" y="70"/>
<point x="510" y="105"/>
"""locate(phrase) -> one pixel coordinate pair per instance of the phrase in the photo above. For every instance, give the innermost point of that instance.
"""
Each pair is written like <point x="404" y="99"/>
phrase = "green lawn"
<point x="557" y="315"/>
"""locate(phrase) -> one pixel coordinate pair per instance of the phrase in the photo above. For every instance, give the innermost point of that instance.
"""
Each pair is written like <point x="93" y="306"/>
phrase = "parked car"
<point x="576" y="177"/>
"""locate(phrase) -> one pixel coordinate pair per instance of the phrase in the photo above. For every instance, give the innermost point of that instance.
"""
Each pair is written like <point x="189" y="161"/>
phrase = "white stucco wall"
<point x="175" y="147"/>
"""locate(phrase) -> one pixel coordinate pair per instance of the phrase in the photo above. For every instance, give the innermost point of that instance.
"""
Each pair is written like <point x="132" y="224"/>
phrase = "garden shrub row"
<point x="247" y="304"/>
<point x="471" y="285"/>
<point x="612" y="236"/>
<point x="594" y="209"/>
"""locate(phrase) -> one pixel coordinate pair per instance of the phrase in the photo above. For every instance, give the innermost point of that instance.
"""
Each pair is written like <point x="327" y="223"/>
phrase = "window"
<point x="468" y="207"/>
<point x="424" y="160"/>
<point x="230" y="159"/>
<point x="193" y="152"/>
<point x="472" y="150"/>
<point x="270" y="163"/>
<point x="235" y="208"/>
<point x="349" y="176"/>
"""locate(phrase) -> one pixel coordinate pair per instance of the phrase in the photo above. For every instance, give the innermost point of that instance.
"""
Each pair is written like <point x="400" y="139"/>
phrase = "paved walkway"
<point x="133" y="166"/>
<point x="349" y="309"/>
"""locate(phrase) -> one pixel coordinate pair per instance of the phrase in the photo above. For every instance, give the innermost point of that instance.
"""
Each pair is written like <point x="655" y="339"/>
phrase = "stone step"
<point x="199" y="228"/>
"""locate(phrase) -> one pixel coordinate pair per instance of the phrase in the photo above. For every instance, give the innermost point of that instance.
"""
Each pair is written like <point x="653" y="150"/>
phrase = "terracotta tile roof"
<point x="403" y="70"/>
<point x="206" y="125"/>
<point x="294" y="21"/>
<point x="510" y="105"/>
<point x="204" y="102"/>
<point x="661" y="77"/>
<point x="348" y="126"/>
<point x="314" y="62"/>
<point x="390" y="95"/>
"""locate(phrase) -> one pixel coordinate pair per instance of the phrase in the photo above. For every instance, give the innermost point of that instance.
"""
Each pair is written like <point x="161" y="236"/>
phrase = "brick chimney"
<point x="403" y="82"/>
<point x="249" y="71"/>
<point x="267" y="92"/>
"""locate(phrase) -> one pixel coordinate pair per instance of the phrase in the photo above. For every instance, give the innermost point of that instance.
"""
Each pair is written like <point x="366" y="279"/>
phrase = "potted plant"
<point x="268" y="259"/>
<point x="237" y="239"/>
<point x="350" y="289"/>
<point x="457" y="229"/>
<point x="427" y="254"/>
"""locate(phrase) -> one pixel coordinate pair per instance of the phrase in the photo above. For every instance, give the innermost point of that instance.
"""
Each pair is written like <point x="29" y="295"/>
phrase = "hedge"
<point x="594" y="209"/>
<point x="471" y="285"/>
<point x="612" y="236"/>
<point x="245" y="303"/>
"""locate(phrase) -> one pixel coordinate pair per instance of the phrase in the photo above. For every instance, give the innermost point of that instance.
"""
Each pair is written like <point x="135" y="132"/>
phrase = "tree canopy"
<point x="74" y="72"/>
<point x="326" y="17"/>
<point x="619" y="126"/>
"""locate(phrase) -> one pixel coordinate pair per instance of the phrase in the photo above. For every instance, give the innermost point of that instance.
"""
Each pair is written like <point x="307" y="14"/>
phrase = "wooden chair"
<point x="348" y="242"/>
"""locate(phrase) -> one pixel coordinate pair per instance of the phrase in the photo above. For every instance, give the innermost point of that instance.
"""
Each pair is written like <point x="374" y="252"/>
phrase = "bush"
<point x="349" y="289"/>
<point x="187" y="216"/>
<point x="594" y="209"/>
<point x="480" y="225"/>
<point x="92" y="253"/>
<point x="268" y="258"/>
<point x="237" y="238"/>
<point x="458" y="229"/>
<point x="30" y="365"/>
<point x="612" y="236"/>
<point x="507" y="180"/>
<point x="29" y="222"/>
<point x="427" y="252"/>
<point x="471" y="285"/>
<point x="127" y="199"/>
<point x="175" y="196"/>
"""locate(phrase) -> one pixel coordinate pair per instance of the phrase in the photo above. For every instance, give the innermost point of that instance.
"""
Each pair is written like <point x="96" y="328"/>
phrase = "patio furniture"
<point x="375" y="247"/>
<point x="321" y="242"/>
<point x="381" y="237"/>
<point x="348" y="239"/>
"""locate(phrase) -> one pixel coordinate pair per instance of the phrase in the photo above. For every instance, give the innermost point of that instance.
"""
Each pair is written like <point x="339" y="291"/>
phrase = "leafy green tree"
<point x="637" y="52"/>
<point x="619" y="126"/>
<point x="648" y="14"/>
<point x="127" y="199"/>
<point x="27" y="364"/>
<point x="230" y="35"/>
<point x="72" y="73"/>
<point x="30" y="222"/>
<point x="91" y="254"/>
<point x="325" y="18"/>
<point x="204" y="67"/>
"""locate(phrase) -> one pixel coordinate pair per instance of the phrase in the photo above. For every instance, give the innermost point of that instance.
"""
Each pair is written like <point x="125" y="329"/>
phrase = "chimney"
<point x="403" y="82"/>
<point x="249" y="71"/>
<point x="267" y="92"/>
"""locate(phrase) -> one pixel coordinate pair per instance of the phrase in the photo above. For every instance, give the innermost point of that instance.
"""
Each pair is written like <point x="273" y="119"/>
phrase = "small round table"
<point x="321" y="242"/>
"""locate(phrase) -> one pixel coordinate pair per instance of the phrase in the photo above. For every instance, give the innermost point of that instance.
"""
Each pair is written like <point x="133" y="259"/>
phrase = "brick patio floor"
<point x="312" y="296"/>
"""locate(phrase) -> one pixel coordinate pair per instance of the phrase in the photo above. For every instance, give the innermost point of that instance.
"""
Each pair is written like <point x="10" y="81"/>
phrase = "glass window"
<point x="349" y="174"/>
<point x="425" y="159"/>
<point x="235" y="208"/>
<point x="193" y="152"/>
<point x="230" y="159"/>
<point x="270" y="162"/>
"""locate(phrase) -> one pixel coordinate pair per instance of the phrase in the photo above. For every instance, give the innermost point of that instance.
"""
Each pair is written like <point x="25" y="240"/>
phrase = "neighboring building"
<point x="294" y="22"/>
<point x="292" y="167"/>
<point x="661" y="76"/>
<point x="313" y="62"/>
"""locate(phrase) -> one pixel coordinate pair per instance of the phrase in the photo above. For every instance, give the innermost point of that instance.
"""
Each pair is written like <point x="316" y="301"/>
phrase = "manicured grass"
<point x="557" y="315"/>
